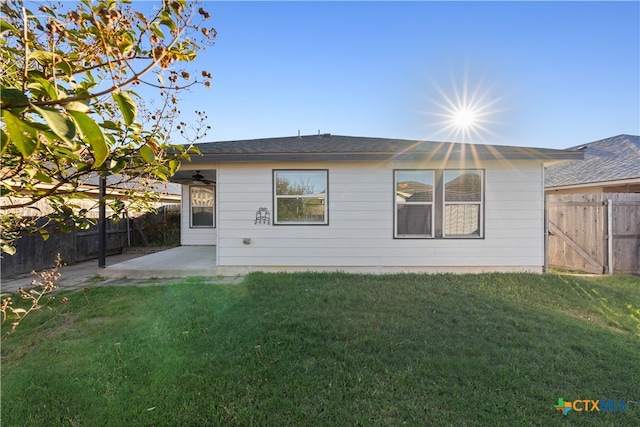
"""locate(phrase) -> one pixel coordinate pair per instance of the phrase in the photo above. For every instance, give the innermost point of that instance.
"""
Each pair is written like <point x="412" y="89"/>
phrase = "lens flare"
<point x="465" y="113"/>
<point x="465" y="118"/>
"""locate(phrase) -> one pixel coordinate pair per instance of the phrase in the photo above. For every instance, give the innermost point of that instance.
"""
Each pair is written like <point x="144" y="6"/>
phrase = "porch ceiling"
<point x="185" y="176"/>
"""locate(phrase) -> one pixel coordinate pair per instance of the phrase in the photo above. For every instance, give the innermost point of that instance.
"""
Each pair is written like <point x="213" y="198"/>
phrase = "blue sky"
<point x="544" y="74"/>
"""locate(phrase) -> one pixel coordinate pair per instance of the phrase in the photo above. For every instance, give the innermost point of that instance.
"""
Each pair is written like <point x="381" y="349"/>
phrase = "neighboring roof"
<point x="335" y="147"/>
<point x="124" y="182"/>
<point x="611" y="159"/>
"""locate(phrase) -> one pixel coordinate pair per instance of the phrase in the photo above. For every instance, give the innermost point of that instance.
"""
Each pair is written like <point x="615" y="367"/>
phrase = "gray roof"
<point x="329" y="147"/>
<point x="611" y="159"/>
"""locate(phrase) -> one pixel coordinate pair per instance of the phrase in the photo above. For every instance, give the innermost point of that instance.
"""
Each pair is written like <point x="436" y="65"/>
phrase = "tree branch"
<point x="114" y="88"/>
<point x="25" y="40"/>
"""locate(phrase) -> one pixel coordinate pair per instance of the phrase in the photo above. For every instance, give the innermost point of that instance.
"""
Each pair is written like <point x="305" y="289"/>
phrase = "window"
<point x="201" y="199"/>
<point x="300" y="197"/>
<point x="462" y="203"/>
<point x="438" y="203"/>
<point x="414" y="203"/>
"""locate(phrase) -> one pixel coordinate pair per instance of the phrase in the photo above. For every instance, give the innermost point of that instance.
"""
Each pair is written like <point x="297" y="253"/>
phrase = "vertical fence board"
<point x="626" y="231"/>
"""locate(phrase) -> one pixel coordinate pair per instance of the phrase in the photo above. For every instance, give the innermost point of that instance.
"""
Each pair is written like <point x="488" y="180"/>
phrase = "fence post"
<point x="102" y="241"/>
<point x="126" y="215"/>
<point x="74" y="243"/>
<point x="609" y="236"/>
<point x="545" y="268"/>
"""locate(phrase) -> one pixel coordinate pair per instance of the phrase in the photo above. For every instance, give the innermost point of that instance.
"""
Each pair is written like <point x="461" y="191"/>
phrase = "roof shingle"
<point x="336" y="147"/>
<point x="611" y="159"/>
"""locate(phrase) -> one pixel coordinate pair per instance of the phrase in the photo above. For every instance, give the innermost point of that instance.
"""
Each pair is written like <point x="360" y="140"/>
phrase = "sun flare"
<point x="464" y="118"/>
<point x="465" y="113"/>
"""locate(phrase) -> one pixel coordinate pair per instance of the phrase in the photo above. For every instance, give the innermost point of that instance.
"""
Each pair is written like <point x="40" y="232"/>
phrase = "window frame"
<point x="276" y="197"/>
<point x="432" y="203"/>
<point x="213" y="213"/>
<point x="479" y="203"/>
<point x="438" y="210"/>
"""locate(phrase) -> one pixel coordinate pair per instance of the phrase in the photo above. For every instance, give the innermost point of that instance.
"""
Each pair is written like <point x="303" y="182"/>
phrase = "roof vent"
<point x="326" y="135"/>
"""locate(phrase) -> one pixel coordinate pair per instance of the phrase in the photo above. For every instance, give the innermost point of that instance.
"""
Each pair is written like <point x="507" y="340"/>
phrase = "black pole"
<point x="102" y="219"/>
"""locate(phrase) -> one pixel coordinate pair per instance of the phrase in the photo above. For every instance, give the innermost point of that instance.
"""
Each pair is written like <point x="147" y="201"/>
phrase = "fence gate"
<point x="598" y="233"/>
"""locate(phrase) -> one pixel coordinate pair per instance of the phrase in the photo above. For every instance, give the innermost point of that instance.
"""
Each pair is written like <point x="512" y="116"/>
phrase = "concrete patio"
<point x="134" y="269"/>
<point x="183" y="261"/>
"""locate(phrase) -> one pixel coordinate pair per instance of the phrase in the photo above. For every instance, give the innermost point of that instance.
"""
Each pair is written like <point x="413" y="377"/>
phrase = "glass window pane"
<point x="462" y="220"/>
<point x="300" y="196"/>
<point x="202" y="217"/>
<point x="300" y="183"/>
<point x="414" y="186"/>
<point x="298" y="209"/>
<point x="414" y="220"/>
<point x="202" y="206"/>
<point x="463" y="186"/>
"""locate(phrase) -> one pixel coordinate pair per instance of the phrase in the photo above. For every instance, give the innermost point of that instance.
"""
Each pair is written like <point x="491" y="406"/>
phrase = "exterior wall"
<point x="194" y="236"/>
<point x="359" y="236"/>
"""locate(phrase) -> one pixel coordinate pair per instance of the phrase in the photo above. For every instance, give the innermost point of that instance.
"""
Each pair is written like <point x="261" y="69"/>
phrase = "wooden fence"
<point x="34" y="253"/>
<point x="152" y="229"/>
<point x="598" y="233"/>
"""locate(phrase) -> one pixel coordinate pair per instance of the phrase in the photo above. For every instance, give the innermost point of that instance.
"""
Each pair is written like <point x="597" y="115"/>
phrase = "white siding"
<point x="360" y="230"/>
<point x="194" y="236"/>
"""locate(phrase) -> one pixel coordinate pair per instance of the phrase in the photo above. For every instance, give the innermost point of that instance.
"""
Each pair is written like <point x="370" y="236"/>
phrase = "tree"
<point x="71" y="109"/>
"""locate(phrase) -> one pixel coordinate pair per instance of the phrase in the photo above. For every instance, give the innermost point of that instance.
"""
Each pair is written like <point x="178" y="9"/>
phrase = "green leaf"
<point x="44" y="233"/>
<point x="16" y="130"/>
<point x="147" y="154"/>
<point x="10" y="96"/>
<point x="167" y="21"/>
<point x="81" y="106"/>
<point x="4" y="141"/>
<point x="5" y="26"/>
<point x="45" y="88"/>
<point x="108" y="124"/>
<point x="173" y="166"/>
<point x="42" y="56"/>
<point x="126" y="44"/>
<point x="91" y="134"/>
<point x="127" y="106"/>
<point x="155" y="27"/>
<point x="42" y="177"/>
<point x="59" y="123"/>
<point x="116" y="167"/>
<point x="64" y="66"/>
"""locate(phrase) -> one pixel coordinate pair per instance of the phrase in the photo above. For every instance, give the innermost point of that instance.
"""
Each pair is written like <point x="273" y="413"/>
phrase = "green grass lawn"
<point x="330" y="349"/>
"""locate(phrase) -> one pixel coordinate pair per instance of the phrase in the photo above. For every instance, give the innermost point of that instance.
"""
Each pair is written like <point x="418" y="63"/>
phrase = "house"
<point x="327" y="202"/>
<point x="611" y="165"/>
